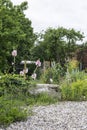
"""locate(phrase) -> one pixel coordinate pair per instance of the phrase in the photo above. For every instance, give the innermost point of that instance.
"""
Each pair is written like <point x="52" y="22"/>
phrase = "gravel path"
<point x="61" y="116"/>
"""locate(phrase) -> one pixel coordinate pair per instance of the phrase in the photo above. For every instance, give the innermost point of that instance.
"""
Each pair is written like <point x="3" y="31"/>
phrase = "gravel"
<point x="60" y="116"/>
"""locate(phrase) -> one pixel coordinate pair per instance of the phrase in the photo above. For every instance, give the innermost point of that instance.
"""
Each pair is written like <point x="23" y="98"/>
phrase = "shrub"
<point x="10" y="112"/>
<point x="14" y="85"/>
<point x="54" y="73"/>
<point x="74" y="91"/>
<point x="78" y="75"/>
<point x="73" y="65"/>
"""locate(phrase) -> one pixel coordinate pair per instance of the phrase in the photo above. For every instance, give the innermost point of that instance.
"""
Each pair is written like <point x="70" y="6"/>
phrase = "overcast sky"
<point x="57" y="13"/>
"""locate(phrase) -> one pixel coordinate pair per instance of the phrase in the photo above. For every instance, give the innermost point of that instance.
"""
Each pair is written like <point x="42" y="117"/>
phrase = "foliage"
<point x="41" y="99"/>
<point x="74" y="87"/>
<point x="57" y="44"/>
<point x="15" y="110"/>
<point x="81" y="56"/>
<point x="75" y="91"/>
<point x="73" y="65"/>
<point x="10" y="112"/>
<point x="15" y="33"/>
<point x="55" y="73"/>
<point x="14" y="85"/>
<point x="15" y="97"/>
<point x="73" y="73"/>
<point x="78" y="75"/>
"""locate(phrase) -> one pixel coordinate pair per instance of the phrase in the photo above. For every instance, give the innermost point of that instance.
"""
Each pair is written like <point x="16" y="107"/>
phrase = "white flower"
<point x="12" y="63"/>
<point x="25" y="70"/>
<point x="34" y="75"/>
<point x="14" y="53"/>
<point x="21" y="73"/>
<point x="51" y="80"/>
<point x="0" y="77"/>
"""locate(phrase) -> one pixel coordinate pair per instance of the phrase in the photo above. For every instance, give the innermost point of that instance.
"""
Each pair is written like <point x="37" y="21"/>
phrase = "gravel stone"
<point x="60" y="116"/>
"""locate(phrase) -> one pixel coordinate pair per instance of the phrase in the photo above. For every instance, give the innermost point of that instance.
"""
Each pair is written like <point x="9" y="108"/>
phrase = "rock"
<point x="45" y="88"/>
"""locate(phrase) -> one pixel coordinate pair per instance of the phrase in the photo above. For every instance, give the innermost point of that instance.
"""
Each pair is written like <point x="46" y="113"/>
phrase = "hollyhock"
<point x="21" y="73"/>
<point x="25" y="70"/>
<point x="38" y="63"/>
<point x="34" y="75"/>
<point x="14" y="53"/>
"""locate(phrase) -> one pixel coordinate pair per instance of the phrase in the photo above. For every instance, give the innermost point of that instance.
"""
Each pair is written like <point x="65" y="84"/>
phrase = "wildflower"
<point x="14" y="53"/>
<point x="38" y="63"/>
<point x="0" y="77"/>
<point x="34" y="75"/>
<point x="25" y="70"/>
<point x="51" y="80"/>
<point x="21" y="73"/>
<point x="84" y="97"/>
<point x="12" y="63"/>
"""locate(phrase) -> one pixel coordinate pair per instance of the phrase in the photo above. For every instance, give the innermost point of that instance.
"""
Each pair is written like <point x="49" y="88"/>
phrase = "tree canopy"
<point x="16" y="32"/>
<point x="57" y="44"/>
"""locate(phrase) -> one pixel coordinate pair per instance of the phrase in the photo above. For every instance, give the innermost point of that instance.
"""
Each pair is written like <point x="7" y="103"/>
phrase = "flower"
<point x="25" y="70"/>
<point x="14" y="53"/>
<point x="51" y="80"/>
<point x="38" y="63"/>
<point x="12" y="63"/>
<point x="21" y="73"/>
<point x="34" y="75"/>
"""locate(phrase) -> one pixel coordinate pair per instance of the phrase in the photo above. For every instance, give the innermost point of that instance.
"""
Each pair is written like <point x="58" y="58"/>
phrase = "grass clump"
<point x="41" y="99"/>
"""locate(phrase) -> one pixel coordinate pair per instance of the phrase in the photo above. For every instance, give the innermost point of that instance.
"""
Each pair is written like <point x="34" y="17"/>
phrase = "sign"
<point x="27" y="62"/>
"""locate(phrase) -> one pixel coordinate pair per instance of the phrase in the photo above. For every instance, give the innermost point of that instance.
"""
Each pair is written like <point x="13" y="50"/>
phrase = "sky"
<point x="57" y="13"/>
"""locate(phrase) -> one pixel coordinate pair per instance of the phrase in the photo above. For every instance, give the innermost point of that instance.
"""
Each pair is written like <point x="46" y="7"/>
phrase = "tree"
<point x="72" y="38"/>
<point x="15" y="32"/>
<point x="57" y="44"/>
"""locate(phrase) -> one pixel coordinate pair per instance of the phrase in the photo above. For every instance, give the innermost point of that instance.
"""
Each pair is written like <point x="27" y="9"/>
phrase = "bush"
<point x="55" y="73"/>
<point x="73" y="65"/>
<point x="76" y="91"/>
<point x="78" y="75"/>
<point x="14" y="85"/>
<point x="10" y="112"/>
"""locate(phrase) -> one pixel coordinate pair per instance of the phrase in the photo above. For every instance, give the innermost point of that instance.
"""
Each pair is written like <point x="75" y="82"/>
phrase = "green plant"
<point x="47" y="75"/>
<point x="11" y="112"/>
<point x="78" y="75"/>
<point x="41" y="99"/>
<point x="73" y="65"/>
<point x="75" y="75"/>
<point x="75" y="91"/>
<point x="15" y="97"/>
<point x="14" y="85"/>
<point x="55" y="73"/>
